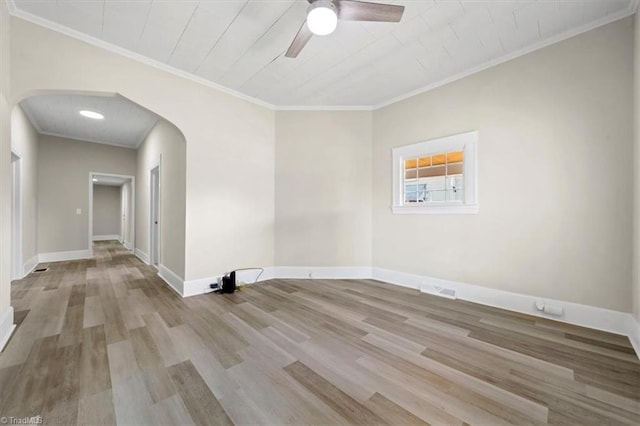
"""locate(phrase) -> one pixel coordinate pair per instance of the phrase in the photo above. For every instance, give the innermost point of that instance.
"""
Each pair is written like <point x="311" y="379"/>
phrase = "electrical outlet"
<point x="78" y="211"/>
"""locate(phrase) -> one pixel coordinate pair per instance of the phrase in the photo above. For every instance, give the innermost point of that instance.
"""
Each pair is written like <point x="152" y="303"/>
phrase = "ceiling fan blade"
<point x="300" y="41"/>
<point x="349" y="10"/>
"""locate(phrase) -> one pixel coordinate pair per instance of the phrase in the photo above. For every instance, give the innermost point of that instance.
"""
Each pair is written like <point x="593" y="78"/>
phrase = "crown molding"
<point x="323" y="108"/>
<point x="633" y="5"/>
<point x="18" y="13"/>
<point x="15" y="11"/>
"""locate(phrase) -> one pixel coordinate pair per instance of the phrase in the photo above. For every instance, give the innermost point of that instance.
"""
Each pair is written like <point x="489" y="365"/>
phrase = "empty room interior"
<point x="318" y="212"/>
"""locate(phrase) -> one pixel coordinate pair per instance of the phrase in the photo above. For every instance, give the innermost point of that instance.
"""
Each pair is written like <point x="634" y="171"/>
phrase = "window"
<point x="436" y="176"/>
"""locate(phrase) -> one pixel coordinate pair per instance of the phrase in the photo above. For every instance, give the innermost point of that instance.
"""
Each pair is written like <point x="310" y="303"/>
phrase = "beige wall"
<point x="6" y="316"/>
<point x="106" y="210"/>
<point x="546" y="122"/>
<point x="164" y="141"/>
<point x="63" y="186"/>
<point x="636" y="176"/>
<point x="230" y="142"/>
<point x="24" y="141"/>
<point x="555" y="175"/>
<point x="323" y="188"/>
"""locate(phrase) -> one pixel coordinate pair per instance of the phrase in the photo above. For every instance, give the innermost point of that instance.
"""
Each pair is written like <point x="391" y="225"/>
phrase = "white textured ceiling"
<point x="240" y="44"/>
<point x="125" y="123"/>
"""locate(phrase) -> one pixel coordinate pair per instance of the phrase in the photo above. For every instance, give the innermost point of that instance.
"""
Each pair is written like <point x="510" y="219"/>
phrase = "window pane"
<point x="436" y="173"/>
<point x="454" y="182"/>
<point x="410" y="164"/>
<point x="434" y="178"/>
<point x="424" y="162"/>
<point x="438" y="159"/>
<point x="455" y="195"/>
<point x="455" y="157"/>
<point x="411" y="174"/>
<point x="433" y="171"/>
<point x="454" y="169"/>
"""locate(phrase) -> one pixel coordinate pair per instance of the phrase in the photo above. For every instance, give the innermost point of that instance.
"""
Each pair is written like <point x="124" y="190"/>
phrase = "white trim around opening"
<point x="16" y="216"/>
<point x="132" y="218"/>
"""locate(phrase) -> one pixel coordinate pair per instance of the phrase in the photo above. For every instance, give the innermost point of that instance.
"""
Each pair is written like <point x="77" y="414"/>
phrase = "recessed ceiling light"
<point x="91" y="114"/>
<point x="94" y="179"/>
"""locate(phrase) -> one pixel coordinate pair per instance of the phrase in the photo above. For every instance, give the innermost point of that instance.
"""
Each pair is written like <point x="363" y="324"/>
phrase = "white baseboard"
<point x="106" y="237"/>
<point x="201" y="285"/>
<point x="128" y="245"/>
<point x="6" y="327"/>
<point x="60" y="256"/>
<point x="172" y="279"/>
<point x="322" y="272"/>
<point x="141" y="255"/>
<point x="29" y="266"/>
<point x="573" y="313"/>
<point x="196" y="287"/>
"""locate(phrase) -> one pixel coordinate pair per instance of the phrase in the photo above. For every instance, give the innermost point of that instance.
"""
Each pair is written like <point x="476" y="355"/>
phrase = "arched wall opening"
<point x="59" y="167"/>
<point x="230" y="149"/>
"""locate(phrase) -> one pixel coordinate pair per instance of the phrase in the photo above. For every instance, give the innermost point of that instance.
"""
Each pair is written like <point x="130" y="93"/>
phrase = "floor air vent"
<point x="447" y="293"/>
<point x="41" y="270"/>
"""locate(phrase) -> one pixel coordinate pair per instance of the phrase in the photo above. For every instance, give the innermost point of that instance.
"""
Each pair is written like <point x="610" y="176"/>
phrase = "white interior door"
<point x="16" y="218"/>
<point x="155" y="216"/>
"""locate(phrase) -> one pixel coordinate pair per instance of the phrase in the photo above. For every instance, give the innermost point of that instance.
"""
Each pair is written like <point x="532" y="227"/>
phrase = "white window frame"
<point x="466" y="142"/>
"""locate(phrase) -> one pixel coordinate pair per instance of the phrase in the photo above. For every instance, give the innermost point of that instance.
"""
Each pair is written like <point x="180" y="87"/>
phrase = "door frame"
<point x="152" y="252"/>
<point x="16" y="216"/>
<point x="90" y="209"/>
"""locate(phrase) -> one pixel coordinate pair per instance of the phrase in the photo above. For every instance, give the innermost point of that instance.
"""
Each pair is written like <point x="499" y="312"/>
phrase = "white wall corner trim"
<point x="141" y="255"/>
<point x="29" y="266"/>
<point x="171" y="278"/>
<point x="128" y="245"/>
<point x="61" y="256"/>
<point x="6" y="327"/>
<point x="106" y="237"/>
<point x="583" y="315"/>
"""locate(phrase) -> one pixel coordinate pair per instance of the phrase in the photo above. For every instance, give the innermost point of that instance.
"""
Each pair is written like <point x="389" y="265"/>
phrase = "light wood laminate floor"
<point x="105" y="341"/>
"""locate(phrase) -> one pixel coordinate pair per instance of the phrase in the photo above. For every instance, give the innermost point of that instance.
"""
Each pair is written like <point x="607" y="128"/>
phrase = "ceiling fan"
<point x="323" y="15"/>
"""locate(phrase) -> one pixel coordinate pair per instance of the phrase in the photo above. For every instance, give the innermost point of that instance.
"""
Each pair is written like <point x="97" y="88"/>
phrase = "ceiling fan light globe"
<point x="322" y="18"/>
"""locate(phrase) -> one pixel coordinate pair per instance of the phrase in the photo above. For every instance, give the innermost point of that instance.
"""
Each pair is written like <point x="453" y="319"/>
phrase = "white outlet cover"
<point x="78" y="211"/>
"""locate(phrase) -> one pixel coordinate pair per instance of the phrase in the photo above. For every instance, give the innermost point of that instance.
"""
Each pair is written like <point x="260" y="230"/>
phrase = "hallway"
<point x="74" y="318"/>
<point x="106" y="341"/>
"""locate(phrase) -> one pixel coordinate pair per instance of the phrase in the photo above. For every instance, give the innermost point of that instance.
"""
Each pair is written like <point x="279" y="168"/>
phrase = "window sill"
<point x="445" y="209"/>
